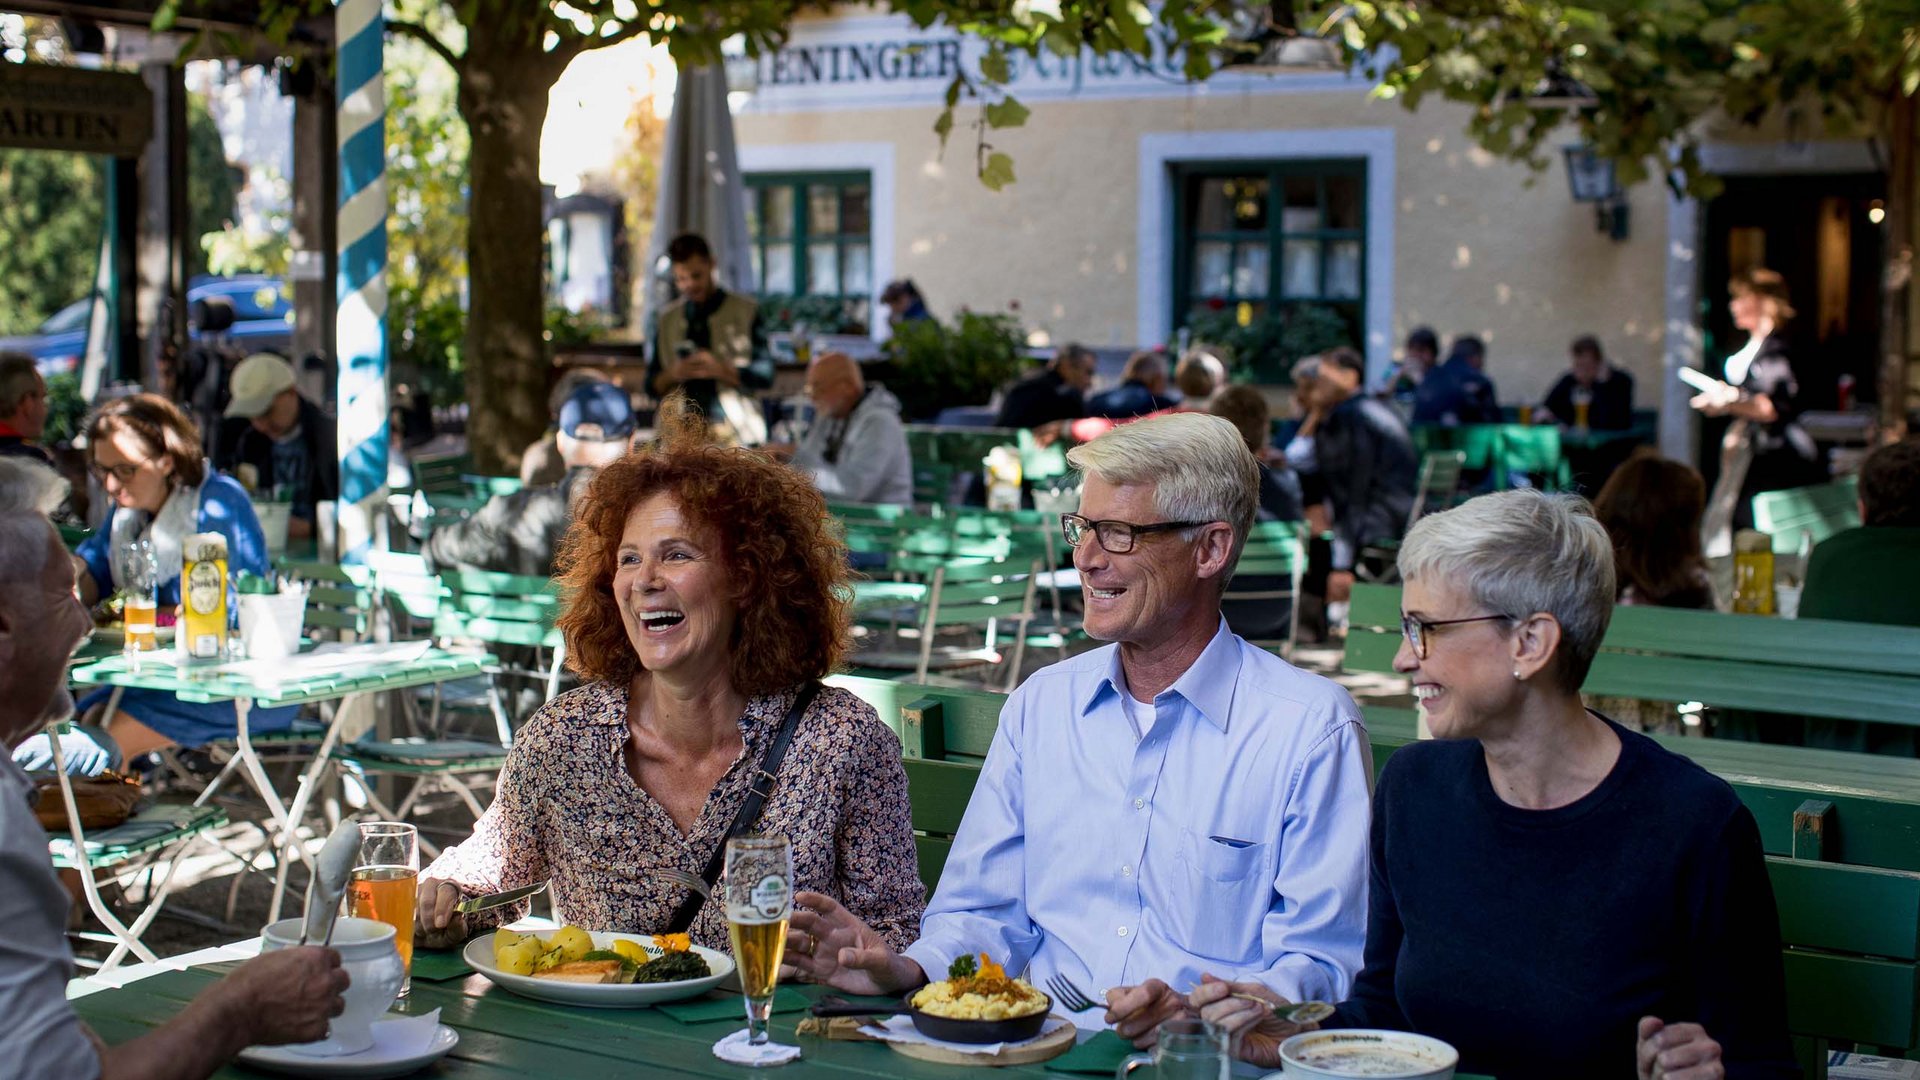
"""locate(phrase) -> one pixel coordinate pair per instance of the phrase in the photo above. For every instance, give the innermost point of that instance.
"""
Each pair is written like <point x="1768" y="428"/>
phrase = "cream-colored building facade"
<point x="1086" y="240"/>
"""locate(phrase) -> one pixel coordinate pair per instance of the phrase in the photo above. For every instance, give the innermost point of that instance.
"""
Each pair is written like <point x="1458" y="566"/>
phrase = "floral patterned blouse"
<point x="567" y="811"/>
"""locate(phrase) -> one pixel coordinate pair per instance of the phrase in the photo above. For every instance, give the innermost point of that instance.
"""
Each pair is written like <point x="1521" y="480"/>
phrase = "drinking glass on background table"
<point x="1187" y="1049"/>
<point x="384" y="882"/>
<point x="139" y="575"/>
<point x="758" y="892"/>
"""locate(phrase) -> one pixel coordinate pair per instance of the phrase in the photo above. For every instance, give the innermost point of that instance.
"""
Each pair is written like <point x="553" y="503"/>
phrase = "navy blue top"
<point x="1128" y="400"/>
<point x="1535" y="940"/>
<point x="1455" y="393"/>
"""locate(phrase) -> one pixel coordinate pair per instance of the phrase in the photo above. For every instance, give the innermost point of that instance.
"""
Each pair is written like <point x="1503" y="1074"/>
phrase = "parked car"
<point x="262" y="322"/>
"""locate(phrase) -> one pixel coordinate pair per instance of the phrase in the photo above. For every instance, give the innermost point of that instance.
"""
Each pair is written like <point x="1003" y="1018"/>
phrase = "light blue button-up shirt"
<point x="1229" y="838"/>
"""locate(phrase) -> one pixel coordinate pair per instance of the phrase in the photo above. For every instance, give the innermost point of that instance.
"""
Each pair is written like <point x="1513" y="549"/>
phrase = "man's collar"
<point x="1207" y="684"/>
<point x="7" y="429"/>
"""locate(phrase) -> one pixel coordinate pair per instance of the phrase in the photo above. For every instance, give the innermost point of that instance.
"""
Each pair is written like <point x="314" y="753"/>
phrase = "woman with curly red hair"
<point x="706" y="595"/>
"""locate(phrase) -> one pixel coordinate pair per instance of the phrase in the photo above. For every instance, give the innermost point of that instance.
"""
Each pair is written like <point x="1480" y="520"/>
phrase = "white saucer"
<point x="370" y="1064"/>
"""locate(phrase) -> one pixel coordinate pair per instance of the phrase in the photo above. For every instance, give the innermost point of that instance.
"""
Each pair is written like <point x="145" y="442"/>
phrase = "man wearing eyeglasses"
<point x="1176" y="805"/>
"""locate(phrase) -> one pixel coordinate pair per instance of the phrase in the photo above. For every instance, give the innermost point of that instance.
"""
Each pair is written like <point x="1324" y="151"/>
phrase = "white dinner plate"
<point x="370" y="1064"/>
<point x="479" y="953"/>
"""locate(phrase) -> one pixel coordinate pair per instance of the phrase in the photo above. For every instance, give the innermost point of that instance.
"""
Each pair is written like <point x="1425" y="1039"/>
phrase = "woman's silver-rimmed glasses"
<point x="1419" y="632"/>
<point x="1116" y="537"/>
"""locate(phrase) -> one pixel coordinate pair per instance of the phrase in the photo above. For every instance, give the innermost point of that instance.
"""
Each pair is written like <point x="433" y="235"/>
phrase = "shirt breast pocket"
<point x="1223" y="898"/>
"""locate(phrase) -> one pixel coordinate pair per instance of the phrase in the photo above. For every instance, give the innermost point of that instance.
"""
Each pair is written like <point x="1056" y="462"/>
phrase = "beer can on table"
<point x="203" y="596"/>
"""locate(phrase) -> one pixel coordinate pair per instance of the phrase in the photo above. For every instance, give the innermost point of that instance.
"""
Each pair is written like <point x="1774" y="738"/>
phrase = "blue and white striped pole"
<point x="361" y="288"/>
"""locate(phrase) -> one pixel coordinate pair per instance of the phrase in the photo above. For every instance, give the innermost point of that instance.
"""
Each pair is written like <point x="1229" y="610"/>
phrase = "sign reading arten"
<point x="861" y="61"/>
<point x="44" y="107"/>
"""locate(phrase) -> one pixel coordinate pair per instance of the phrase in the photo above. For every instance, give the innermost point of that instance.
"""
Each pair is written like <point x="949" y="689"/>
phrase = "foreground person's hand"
<point x="1254" y="1031"/>
<point x="288" y="995"/>
<point x="1677" y="1052"/>
<point x="437" y="925"/>
<point x="827" y="944"/>
<point x="1136" y="1012"/>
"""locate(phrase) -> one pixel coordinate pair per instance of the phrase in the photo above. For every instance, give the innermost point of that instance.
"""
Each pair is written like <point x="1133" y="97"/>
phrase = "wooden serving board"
<point x="1045" y="1048"/>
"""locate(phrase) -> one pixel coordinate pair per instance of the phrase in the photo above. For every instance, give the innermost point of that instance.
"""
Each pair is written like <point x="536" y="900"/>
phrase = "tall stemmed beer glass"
<point x="758" y="890"/>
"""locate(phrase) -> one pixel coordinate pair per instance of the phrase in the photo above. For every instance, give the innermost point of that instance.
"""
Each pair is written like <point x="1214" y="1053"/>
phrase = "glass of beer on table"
<point x="758" y="891"/>
<point x="139" y="579"/>
<point x="384" y="881"/>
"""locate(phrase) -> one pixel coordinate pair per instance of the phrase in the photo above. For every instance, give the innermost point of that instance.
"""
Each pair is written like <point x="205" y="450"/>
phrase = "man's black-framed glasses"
<point x="1116" y="537"/>
<point x="1419" y="632"/>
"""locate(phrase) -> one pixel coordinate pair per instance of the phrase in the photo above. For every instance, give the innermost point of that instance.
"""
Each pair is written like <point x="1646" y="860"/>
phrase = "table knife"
<point x="494" y="900"/>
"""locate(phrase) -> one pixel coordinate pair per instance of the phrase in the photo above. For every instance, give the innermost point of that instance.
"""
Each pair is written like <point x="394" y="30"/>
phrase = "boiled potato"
<point x="503" y="939"/>
<point x="573" y="943"/>
<point x="630" y="950"/>
<point x="520" y="957"/>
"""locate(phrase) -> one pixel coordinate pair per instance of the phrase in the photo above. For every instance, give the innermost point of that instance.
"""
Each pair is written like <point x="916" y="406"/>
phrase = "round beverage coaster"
<point x="1044" y="1047"/>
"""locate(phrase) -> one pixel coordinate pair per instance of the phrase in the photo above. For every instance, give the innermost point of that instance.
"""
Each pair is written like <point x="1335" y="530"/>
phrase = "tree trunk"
<point x="503" y="98"/>
<point x="1895" y="315"/>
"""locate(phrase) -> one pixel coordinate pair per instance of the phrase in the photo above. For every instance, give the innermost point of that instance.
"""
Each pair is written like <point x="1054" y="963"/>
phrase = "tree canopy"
<point x="1656" y="75"/>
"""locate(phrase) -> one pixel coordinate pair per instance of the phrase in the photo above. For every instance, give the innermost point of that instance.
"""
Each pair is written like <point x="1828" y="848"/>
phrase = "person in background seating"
<point x="1056" y="394"/>
<point x="287" y="439"/>
<point x="23" y="408"/>
<point x="856" y="449"/>
<point x="904" y="302"/>
<point x="1198" y="376"/>
<point x="541" y="462"/>
<point x="1555" y="896"/>
<point x="1651" y="508"/>
<point x="1458" y="391"/>
<point x="286" y="996"/>
<point x="1418" y="356"/>
<point x="520" y="532"/>
<point x="1871" y="574"/>
<point x="1246" y="409"/>
<point x="1142" y="389"/>
<point x="1176" y="802"/>
<point x="146" y="454"/>
<point x="1605" y="390"/>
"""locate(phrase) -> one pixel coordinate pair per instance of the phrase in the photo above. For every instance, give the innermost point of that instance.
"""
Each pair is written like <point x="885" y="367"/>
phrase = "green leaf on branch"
<point x="943" y="126"/>
<point x="1006" y="114"/>
<point x="998" y="172"/>
<point x="994" y="67"/>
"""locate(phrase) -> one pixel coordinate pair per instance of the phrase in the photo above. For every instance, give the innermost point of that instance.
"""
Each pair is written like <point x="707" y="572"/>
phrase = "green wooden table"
<point x="274" y="683"/>
<point x="503" y="1035"/>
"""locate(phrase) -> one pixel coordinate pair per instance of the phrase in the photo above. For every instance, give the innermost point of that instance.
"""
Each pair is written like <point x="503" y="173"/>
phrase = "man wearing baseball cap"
<point x="518" y="533"/>
<point x="286" y="439"/>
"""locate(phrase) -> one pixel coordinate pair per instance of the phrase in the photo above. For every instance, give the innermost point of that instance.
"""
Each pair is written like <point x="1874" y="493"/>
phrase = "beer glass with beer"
<point x="140" y="580"/>
<point x="758" y="890"/>
<point x="384" y="881"/>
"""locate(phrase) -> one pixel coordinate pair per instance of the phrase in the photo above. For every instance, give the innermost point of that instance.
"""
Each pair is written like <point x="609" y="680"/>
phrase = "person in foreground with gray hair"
<point x="1176" y="803"/>
<point x="282" y="997"/>
<point x="1554" y="895"/>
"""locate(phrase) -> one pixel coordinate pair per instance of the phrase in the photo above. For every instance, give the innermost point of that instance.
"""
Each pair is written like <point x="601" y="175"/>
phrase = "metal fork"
<point x="681" y="877"/>
<point x="1069" y="995"/>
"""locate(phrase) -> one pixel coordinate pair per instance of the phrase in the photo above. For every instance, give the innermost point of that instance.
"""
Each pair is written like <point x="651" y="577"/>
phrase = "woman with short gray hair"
<point x="1552" y="894"/>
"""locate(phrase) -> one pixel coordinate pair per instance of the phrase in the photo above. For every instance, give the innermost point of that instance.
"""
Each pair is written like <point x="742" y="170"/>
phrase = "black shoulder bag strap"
<point x="750" y="808"/>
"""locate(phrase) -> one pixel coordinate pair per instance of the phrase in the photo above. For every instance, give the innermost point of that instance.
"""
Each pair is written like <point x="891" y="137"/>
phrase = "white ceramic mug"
<point x="372" y="963"/>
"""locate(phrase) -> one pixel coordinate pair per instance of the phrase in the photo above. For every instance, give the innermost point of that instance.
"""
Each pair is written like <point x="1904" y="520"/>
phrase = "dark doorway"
<point x="1820" y="232"/>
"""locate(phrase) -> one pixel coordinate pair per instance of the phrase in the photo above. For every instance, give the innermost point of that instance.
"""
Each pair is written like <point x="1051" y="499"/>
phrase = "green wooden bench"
<point x="1822" y="510"/>
<point x="1801" y="667"/>
<point x="155" y="834"/>
<point x="1851" y="934"/>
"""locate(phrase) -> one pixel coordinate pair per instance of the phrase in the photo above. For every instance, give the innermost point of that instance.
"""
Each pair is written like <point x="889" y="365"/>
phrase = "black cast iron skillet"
<point x="944" y="1028"/>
